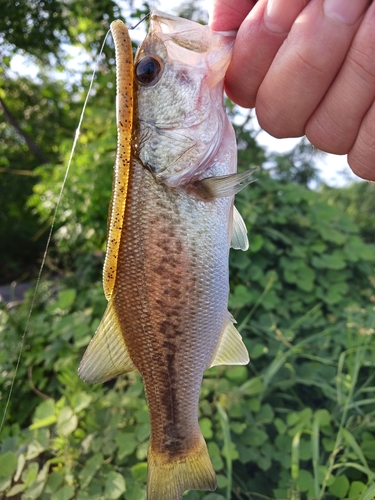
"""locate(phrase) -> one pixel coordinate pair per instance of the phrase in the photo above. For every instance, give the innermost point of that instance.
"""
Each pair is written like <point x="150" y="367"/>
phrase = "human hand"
<point x="308" y="67"/>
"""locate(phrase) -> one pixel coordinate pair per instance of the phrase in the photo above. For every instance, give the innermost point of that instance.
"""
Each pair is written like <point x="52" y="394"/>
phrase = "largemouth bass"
<point x="172" y="222"/>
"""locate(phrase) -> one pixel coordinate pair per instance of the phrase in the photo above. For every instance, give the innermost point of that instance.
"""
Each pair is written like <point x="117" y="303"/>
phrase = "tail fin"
<point x="168" y="479"/>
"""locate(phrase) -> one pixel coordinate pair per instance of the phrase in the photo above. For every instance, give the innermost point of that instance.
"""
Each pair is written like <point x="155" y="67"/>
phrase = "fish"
<point x="171" y="224"/>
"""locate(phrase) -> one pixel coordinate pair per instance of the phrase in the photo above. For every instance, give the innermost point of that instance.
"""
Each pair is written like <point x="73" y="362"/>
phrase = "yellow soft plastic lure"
<point x="124" y="117"/>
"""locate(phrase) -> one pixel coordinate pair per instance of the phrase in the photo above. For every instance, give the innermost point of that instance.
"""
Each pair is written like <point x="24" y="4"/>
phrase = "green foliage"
<point x="296" y="423"/>
<point x="38" y="115"/>
<point x="41" y="29"/>
<point x="357" y="200"/>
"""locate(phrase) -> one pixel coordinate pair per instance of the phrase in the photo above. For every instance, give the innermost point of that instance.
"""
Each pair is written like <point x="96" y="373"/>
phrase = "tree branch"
<point x="30" y="143"/>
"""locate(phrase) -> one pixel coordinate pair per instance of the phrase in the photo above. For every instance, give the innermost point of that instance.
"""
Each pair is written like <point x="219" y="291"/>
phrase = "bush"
<point x="297" y="423"/>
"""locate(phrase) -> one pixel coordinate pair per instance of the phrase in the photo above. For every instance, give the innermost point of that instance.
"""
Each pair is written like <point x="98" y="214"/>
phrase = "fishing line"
<point x="139" y="22"/>
<point x="26" y="330"/>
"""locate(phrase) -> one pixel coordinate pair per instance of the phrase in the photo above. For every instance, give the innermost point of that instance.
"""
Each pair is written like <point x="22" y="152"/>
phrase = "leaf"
<point x="329" y="233"/>
<point x="139" y="472"/>
<point x="255" y="243"/>
<point x="54" y="481"/>
<point x="241" y="297"/>
<point x="323" y="417"/>
<point x="114" y="485"/>
<point x="340" y="487"/>
<point x="30" y="473"/>
<point x="142" y="431"/>
<point x="305" y="480"/>
<point x="237" y="374"/>
<point x="350" y="440"/>
<point x="280" y="425"/>
<point x="8" y="464"/>
<point x="17" y="488"/>
<point x="265" y="414"/>
<point x="34" y="449"/>
<point x="252" y="387"/>
<point x="222" y="481"/>
<point x="357" y="488"/>
<point x="44" y="410"/>
<point x="44" y="415"/>
<point x="81" y="401"/>
<point x="20" y="465"/>
<point x="126" y="443"/>
<point x="64" y="300"/>
<point x="206" y="427"/>
<point x="135" y="491"/>
<point x="215" y="455"/>
<point x="88" y="472"/>
<point x="43" y="423"/>
<point x="368" y="447"/>
<point x="258" y="350"/>
<point x="237" y="427"/>
<point x="369" y="494"/>
<point x="64" y="493"/>
<point x="67" y="422"/>
<point x="253" y="436"/>
<point x="333" y="261"/>
<point x="5" y="483"/>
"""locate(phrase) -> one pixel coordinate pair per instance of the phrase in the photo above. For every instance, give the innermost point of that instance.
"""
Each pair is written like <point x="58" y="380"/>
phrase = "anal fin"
<point x="230" y="349"/>
<point x="106" y="356"/>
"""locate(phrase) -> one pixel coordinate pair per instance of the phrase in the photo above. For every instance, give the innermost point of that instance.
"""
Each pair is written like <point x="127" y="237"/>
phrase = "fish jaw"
<point x="181" y="133"/>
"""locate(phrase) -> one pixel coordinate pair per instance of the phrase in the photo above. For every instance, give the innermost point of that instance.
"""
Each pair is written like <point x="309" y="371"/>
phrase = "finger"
<point x="335" y="124"/>
<point x="361" y="158"/>
<point x="258" y="40"/>
<point x="228" y="15"/>
<point x="306" y="65"/>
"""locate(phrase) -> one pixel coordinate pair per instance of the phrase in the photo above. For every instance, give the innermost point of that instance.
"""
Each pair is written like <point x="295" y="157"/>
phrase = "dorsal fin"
<point x="106" y="356"/>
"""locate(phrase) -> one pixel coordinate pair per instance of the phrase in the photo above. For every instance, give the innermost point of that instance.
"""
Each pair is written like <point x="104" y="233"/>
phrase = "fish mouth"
<point x="185" y="33"/>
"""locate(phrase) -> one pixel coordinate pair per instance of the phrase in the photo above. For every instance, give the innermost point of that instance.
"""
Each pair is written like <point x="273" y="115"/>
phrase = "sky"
<point x="334" y="169"/>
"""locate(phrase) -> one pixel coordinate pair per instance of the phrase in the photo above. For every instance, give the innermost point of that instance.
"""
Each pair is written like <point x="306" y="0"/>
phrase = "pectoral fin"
<point x="223" y="185"/>
<point x="106" y="356"/>
<point x="239" y="233"/>
<point x="230" y="349"/>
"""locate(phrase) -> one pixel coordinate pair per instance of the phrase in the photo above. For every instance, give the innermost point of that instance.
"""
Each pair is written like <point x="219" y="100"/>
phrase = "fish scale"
<point x="172" y="222"/>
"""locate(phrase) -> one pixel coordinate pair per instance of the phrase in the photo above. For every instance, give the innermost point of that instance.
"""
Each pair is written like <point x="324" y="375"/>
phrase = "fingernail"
<point x="346" y="11"/>
<point x="280" y="15"/>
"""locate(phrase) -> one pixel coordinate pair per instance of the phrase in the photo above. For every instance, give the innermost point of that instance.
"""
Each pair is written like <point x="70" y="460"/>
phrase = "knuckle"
<point x="311" y="65"/>
<point x="363" y="65"/>
<point x="328" y="136"/>
<point x="361" y="156"/>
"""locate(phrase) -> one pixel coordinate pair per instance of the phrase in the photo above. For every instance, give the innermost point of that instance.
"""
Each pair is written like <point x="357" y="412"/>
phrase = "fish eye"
<point x="148" y="70"/>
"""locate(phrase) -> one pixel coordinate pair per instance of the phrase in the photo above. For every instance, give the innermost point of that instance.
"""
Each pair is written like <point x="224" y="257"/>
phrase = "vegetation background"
<point x="297" y="423"/>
